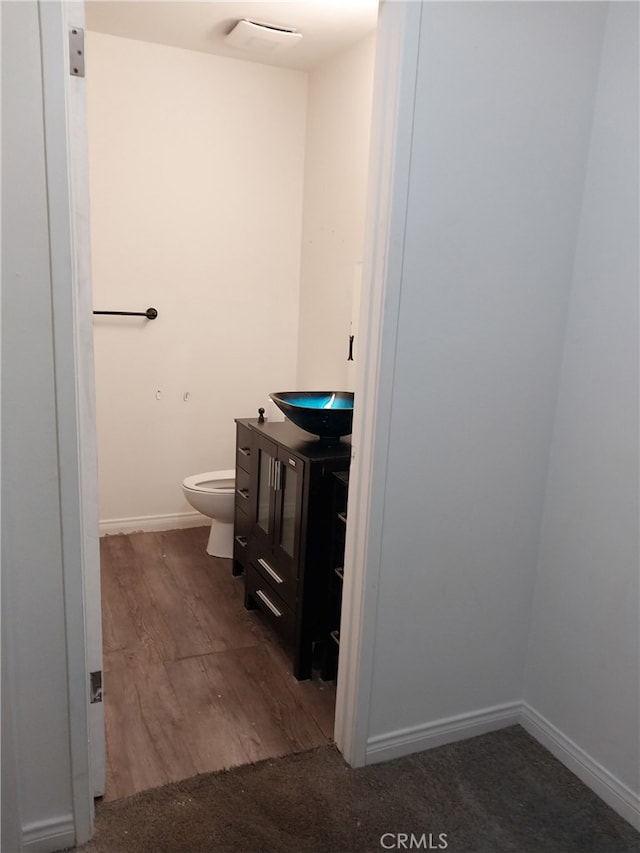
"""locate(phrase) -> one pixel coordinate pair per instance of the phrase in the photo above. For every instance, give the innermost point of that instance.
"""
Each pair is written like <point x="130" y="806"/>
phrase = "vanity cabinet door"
<point x="263" y="494"/>
<point x="277" y="510"/>
<point x="288" y="511"/>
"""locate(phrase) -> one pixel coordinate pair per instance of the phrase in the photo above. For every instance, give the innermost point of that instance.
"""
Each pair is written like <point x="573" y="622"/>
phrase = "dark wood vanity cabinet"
<point x="286" y="555"/>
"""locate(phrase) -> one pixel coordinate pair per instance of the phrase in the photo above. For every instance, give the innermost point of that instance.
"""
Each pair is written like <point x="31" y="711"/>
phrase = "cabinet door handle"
<point x="270" y="571"/>
<point x="242" y="541"/>
<point x="278" y="475"/>
<point x="269" y="604"/>
<point x="244" y="493"/>
<point x="271" y="460"/>
<point x="246" y="451"/>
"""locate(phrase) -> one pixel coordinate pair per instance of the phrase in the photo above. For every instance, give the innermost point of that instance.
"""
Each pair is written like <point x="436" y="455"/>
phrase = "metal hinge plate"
<point x="96" y="687"/>
<point x="76" y="52"/>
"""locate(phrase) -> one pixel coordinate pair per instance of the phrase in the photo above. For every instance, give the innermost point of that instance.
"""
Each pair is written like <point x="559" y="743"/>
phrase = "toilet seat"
<point x="212" y="482"/>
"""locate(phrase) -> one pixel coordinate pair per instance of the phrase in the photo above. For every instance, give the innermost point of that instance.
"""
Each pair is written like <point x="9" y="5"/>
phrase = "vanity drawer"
<point x="244" y="448"/>
<point x="276" y="576"/>
<point x="243" y="490"/>
<point x="261" y="594"/>
<point x="241" y="540"/>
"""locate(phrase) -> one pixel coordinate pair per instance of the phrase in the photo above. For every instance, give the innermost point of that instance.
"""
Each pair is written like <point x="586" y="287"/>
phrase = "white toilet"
<point x="213" y="494"/>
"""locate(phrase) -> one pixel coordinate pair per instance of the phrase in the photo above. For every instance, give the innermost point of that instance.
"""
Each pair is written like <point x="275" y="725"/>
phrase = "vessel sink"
<point x="327" y="414"/>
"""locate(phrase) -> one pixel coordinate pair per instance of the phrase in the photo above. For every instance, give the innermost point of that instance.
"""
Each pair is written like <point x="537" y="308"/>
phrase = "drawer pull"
<point x="269" y="604"/>
<point x="242" y="541"/>
<point x="339" y="571"/>
<point x="335" y="636"/>
<point x="244" y="493"/>
<point x="246" y="451"/>
<point x="342" y="516"/>
<point x="270" y="571"/>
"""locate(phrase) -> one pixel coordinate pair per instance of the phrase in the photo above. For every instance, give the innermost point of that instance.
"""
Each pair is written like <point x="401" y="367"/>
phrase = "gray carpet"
<point x="498" y="793"/>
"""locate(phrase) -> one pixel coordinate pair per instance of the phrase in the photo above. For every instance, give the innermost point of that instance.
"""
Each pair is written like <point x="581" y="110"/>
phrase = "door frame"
<point x="396" y="67"/>
<point x="66" y="151"/>
<point x="393" y="102"/>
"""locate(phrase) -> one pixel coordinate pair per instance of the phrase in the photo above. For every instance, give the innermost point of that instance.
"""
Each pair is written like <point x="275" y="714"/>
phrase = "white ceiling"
<point x="327" y="26"/>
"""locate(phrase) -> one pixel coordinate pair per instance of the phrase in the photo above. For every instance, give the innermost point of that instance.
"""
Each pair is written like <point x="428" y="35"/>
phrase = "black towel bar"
<point x="150" y="313"/>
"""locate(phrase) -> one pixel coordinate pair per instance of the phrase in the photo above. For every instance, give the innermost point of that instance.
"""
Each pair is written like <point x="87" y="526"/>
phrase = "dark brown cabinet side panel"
<point x="331" y="628"/>
<point x="243" y="500"/>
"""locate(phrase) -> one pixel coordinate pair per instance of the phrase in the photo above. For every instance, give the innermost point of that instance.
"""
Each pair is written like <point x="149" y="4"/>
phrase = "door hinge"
<point x="96" y="687"/>
<point x="76" y="52"/>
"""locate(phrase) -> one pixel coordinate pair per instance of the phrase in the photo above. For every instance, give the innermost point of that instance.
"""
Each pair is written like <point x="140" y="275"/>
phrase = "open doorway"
<point x="246" y="318"/>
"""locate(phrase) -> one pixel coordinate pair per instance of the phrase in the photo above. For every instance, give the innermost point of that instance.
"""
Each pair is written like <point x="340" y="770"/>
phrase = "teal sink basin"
<point x="327" y="414"/>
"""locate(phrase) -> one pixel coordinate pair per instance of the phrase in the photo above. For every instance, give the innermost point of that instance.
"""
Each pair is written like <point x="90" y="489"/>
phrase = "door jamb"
<point x="67" y="193"/>
<point x="396" y="65"/>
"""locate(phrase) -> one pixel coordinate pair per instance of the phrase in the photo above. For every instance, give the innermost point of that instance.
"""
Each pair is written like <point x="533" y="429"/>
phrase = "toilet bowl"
<point x="213" y="494"/>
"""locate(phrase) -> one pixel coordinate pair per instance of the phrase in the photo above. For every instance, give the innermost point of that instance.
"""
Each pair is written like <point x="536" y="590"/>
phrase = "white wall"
<point x="196" y="192"/>
<point x="583" y="669"/>
<point x="500" y="137"/>
<point x="34" y="662"/>
<point x="335" y="185"/>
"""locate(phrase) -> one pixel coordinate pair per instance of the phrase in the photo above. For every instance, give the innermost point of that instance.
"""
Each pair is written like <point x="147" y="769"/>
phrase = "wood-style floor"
<point x="192" y="681"/>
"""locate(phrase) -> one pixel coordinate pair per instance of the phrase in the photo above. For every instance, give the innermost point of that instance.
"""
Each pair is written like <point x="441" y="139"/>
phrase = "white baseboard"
<point x="417" y="738"/>
<point x="45" y="836"/>
<point x="603" y="783"/>
<point x="150" y="523"/>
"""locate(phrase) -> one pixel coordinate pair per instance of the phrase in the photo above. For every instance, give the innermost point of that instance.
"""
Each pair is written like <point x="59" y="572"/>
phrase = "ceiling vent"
<point x="251" y="35"/>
